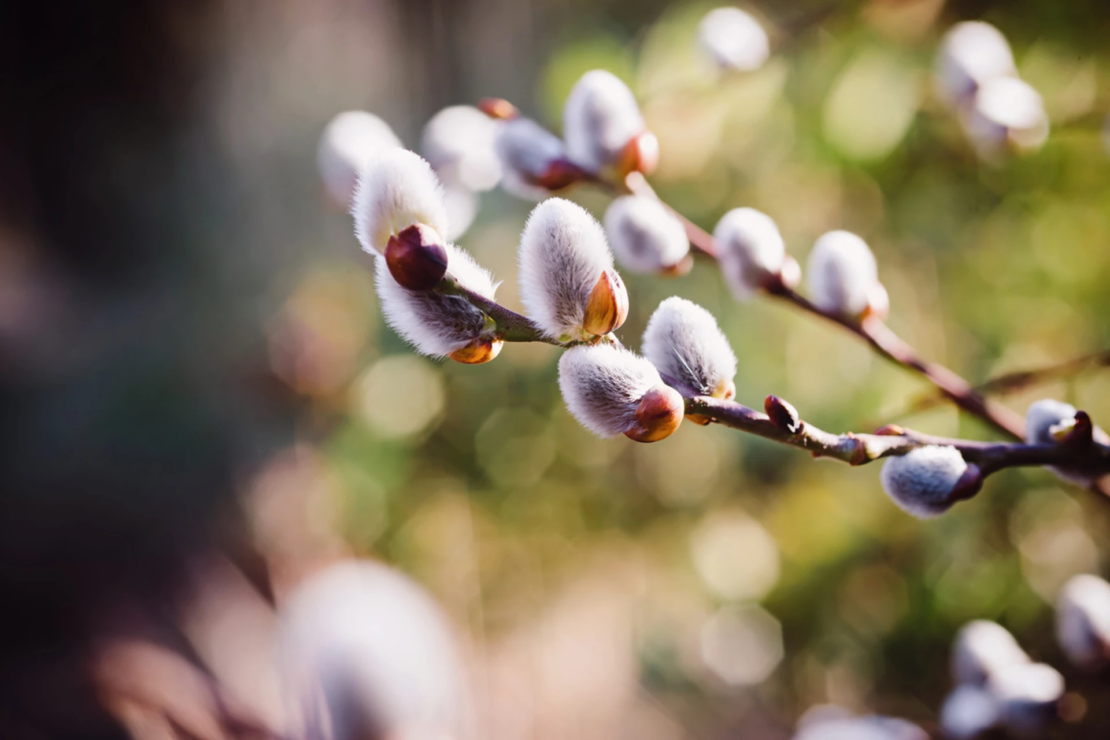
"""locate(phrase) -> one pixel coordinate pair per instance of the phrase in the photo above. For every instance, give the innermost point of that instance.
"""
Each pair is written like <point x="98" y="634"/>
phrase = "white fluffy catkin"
<point x="971" y="53"/>
<point x="600" y="117"/>
<point x="644" y="235"/>
<point x="396" y="190"/>
<point x="841" y="273"/>
<point x="1083" y="621"/>
<point x="459" y="144"/>
<point x="968" y="712"/>
<point x="1042" y="416"/>
<point x="733" y="39"/>
<point x="983" y="648"/>
<point x="1007" y="115"/>
<point x="433" y="323"/>
<point x="373" y="646"/>
<point x="602" y="385"/>
<point x="1027" y="696"/>
<point x="349" y="142"/>
<point x="921" y="480"/>
<point x="562" y="255"/>
<point x="526" y="150"/>
<point x="684" y="343"/>
<point x="751" y="249"/>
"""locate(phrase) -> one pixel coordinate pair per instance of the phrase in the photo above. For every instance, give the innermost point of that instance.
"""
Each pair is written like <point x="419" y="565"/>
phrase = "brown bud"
<point x="607" y="306"/>
<point x="969" y="483"/>
<point x="725" y="390"/>
<point x="658" y="415"/>
<point x="498" y="108"/>
<point x="561" y="173"/>
<point x="878" y="303"/>
<point x="416" y="257"/>
<point x="679" y="269"/>
<point x="480" y="350"/>
<point x="890" y="430"/>
<point x="782" y="414"/>
<point x="640" y="154"/>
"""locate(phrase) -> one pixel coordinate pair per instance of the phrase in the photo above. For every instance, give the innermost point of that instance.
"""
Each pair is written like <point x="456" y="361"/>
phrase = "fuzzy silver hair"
<point x="685" y="344"/>
<point x="562" y="255"/>
<point x="373" y="647"/>
<point x="602" y="385"/>
<point x="733" y="39"/>
<point x="751" y="249"/>
<point x="1042" y="416"/>
<point x="982" y="648"/>
<point x="350" y="141"/>
<point x="968" y="712"/>
<point x="433" y="323"/>
<point x="841" y="273"/>
<point x="921" y="480"/>
<point x="600" y="117"/>
<point x="396" y="190"/>
<point x="1083" y="621"/>
<point x="526" y="150"/>
<point x="843" y="726"/>
<point x="644" y="235"/>
<point x="459" y="143"/>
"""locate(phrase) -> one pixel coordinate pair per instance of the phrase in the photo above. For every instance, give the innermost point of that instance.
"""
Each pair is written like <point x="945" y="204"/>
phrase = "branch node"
<point x="782" y="414"/>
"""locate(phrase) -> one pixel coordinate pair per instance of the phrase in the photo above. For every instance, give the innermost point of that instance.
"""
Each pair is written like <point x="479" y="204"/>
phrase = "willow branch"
<point x="873" y="331"/>
<point x="1021" y="379"/>
<point x="860" y="449"/>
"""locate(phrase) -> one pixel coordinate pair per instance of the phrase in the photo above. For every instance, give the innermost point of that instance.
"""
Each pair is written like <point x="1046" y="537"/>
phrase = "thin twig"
<point x="1021" y="379"/>
<point x="860" y="449"/>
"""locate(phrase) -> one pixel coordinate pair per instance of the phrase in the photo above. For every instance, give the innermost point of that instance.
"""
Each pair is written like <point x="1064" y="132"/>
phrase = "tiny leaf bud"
<point x="498" y="109"/>
<point x="734" y="40"/>
<point x="600" y="118"/>
<point x="685" y="344"/>
<point x="640" y="154"/>
<point x="605" y="388"/>
<point x="607" y="306"/>
<point x="983" y="648"/>
<point x="1083" y="621"/>
<point x="783" y="414"/>
<point x="481" y="350"/>
<point x="395" y="191"/>
<point x="563" y="253"/>
<point x="658" y="415"/>
<point x="645" y="236"/>
<point x="842" y="274"/>
<point x="1042" y="416"/>
<point x="751" y="251"/>
<point x="416" y="257"/>
<point x="922" y="481"/>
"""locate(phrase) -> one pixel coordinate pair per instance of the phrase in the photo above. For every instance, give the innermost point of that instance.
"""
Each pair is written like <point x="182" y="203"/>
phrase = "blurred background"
<point x="202" y="404"/>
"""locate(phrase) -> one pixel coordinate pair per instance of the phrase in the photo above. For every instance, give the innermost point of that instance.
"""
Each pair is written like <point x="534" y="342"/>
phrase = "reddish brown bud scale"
<point x="416" y="257"/>
<point x="969" y="483"/>
<point x="782" y="414"/>
<point x="890" y="430"/>
<point x="607" y="306"/>
<point x="498" y="108"/>
<point x="658" y="416"/>
<point x="681" y="268"/>
<point x="479" y="351"/>
<point x="640" y="154"/>
<point x="561" y="174"/>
